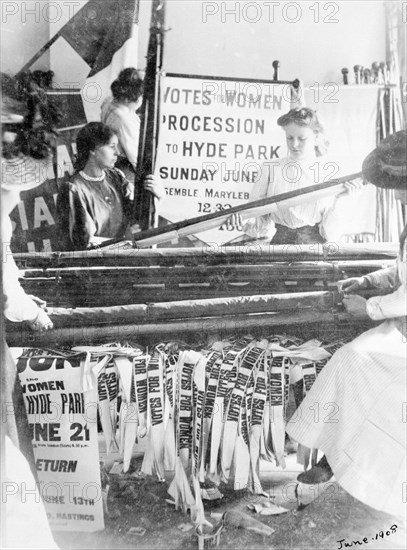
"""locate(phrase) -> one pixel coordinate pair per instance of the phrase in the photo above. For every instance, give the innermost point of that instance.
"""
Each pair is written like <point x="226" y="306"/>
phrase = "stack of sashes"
<point x="208" y="415"/>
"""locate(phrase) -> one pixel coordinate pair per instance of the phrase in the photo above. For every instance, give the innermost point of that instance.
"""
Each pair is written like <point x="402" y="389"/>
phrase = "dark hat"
<point x="386" y="166"/>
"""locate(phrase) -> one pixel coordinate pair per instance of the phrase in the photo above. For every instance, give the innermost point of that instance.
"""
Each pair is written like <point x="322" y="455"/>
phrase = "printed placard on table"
<point x="63" y="421"/>
<point x="214" y="137"/>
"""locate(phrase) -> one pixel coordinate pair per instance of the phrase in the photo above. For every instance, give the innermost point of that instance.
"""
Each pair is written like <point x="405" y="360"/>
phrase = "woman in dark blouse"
<point x="97" y="202"/>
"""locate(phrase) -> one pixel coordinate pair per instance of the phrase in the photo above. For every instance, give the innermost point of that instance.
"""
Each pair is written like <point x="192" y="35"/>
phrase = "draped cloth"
<point x="25" y="523"/>
<point x="354" y="411"/>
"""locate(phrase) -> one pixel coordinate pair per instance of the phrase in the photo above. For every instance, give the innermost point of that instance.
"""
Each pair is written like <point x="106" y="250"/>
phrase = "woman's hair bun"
<point x="303" y="116"/>
<point x="128" y="86"/>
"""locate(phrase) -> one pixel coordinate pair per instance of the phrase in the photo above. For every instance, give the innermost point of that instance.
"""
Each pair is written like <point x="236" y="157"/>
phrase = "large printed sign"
<point x="214" y="137"/>
<point x="62" y="414"/>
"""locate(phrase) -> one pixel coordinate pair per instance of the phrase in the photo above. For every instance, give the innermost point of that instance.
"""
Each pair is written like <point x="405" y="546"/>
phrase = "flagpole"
<point x="144" y="212"/>
<point x="38" y="54"/>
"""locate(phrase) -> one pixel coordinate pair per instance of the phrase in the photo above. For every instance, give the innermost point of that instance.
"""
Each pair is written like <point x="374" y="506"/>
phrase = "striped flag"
<point x="105" y="34"/>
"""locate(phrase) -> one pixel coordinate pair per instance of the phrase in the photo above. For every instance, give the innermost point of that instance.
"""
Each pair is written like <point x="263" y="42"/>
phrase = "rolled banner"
<point x="252" y="209"/>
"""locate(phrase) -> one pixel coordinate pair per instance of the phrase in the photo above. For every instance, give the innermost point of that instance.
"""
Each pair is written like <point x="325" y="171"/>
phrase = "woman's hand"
<point x="154" y="185"/>
<point x="347" y="286"/>
<point x="355" y="305"/>
<point x="41" y="323"/>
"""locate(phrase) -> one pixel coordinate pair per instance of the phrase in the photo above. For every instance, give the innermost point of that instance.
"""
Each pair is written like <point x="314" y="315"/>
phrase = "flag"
<point x="105" y="34"/>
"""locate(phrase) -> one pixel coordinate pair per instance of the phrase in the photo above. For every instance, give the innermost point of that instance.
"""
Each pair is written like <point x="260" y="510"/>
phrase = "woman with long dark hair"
<point x="96" y="204"/>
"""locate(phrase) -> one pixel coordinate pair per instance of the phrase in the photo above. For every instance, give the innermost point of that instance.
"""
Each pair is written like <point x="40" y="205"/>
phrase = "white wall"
<point x="24" y="30"/>
<point x="27" y="26"/>
<point x="206" y="38"/>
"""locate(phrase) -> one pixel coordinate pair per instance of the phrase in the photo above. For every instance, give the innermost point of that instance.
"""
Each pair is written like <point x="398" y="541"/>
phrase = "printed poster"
<point x="213" y="138"/>
<point x="63" y="420"/>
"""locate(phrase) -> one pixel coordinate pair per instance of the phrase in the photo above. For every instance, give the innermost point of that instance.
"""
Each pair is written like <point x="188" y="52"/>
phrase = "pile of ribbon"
<point x="208" y="415"/>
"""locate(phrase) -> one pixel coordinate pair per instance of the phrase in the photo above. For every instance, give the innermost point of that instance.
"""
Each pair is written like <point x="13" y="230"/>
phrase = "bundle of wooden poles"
<point x="125" y="293"/>
<point x="130" y="293"/>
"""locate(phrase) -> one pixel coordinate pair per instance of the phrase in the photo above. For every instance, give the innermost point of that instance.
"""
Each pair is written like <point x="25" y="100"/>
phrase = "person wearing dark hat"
<point x="25" y="159"/>
<point x="361" y="391"/>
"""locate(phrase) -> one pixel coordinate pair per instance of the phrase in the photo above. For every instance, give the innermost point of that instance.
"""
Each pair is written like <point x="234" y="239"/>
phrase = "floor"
<point x="139" y="516"/>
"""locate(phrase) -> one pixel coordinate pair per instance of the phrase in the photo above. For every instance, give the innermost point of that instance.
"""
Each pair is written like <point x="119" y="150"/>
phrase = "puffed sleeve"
<point x="390" y="305"/>
<point x="75" y="224"/>
<point x="18" y="306"/>
<point x="263" y="226"/>
<point x="383" y="278"/>
<point x="128" y="131"/>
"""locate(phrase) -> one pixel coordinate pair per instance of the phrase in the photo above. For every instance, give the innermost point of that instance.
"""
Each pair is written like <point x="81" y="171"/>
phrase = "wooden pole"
<point x="215" y="219"/>
<point x="144" y="204"/>
<point x="209" y="255"/>
<point x="156" y="330"/>
<point x="201" y="308"/>
<point x="38" y="54"/>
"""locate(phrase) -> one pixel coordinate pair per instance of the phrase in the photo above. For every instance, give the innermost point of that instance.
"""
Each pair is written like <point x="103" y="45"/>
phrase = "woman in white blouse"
<point x="305" y="165"/>
<point x="361" y="392"/>
<point x="120" y="114"/>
